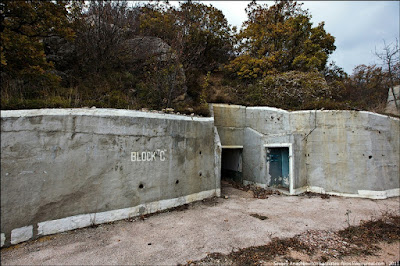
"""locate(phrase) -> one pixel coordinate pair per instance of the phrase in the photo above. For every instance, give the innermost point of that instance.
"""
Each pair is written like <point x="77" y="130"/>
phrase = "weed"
<point x="348" y="217"/>
<point x="359" y="241"/>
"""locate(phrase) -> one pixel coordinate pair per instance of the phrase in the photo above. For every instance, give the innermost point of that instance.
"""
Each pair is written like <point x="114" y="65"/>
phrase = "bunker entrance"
<point x="231" y="164"/>
<point x="278" y="165"/>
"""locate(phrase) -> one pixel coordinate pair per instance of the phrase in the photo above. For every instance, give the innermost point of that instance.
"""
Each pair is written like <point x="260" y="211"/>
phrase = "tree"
<point x="391" y="60"/>
<point x="24" y="24"/>
<point x="93" y="68"/>
<point x="282" y="37"/>
<point x="335" y="77"/>
<point x="205" y="35"/>
<point x="198" y="34"/>
<point x="366" y="88"/>
<point x="100" y="33"/>
<point x="159" y="20"/>
<point x="333" y="72"/>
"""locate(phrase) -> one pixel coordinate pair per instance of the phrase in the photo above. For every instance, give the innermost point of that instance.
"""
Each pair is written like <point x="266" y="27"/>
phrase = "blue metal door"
<point x="278" y="162"/>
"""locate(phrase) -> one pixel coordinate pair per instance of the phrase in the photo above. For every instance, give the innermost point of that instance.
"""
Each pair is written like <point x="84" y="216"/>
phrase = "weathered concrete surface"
<point x="393" y="98"/>
<point x="253" y="157"/>
<point x="338" y="152"/>
<point x="217" y="161"/>
<point x="231" y="123"/>
<point x="352" y="151"/>
<point x="221" y="225"/>
<point x="67" y="168"/>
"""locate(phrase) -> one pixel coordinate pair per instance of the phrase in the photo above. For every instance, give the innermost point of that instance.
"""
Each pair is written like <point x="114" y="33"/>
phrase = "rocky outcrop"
<point x="146" y="47"/>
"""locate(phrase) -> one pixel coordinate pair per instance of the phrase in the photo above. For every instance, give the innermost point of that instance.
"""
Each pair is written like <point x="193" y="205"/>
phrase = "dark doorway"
<point x="278" y="165"/>
<point x="231" y="164"/>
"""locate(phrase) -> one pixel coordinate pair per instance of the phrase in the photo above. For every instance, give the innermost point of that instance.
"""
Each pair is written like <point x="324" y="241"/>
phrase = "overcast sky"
<point x="358" y="26"/>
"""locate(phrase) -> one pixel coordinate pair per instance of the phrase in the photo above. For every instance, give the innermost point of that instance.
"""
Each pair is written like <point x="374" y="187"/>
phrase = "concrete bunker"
<point x="317" y="151"/>
<point x="231" y="163"/>
<point x="64" y="169"/>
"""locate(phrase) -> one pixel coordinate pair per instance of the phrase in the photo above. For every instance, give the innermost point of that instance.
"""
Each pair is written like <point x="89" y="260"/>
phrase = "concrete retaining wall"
<point x="63" y="169"/>
<point x="337" y="152"/>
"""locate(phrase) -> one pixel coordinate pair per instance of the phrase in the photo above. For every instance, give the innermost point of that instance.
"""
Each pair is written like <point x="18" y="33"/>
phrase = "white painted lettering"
<point x="148" y="156"/>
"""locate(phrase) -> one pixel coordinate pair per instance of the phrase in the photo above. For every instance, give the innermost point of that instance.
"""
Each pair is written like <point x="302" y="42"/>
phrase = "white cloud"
<point x="358" y="27"/>
<point x="234" y="11"/>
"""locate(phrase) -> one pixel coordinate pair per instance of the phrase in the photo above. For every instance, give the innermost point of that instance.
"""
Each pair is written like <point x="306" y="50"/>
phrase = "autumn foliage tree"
<point x="110" y="53"/>
<point x="206" y="36"/>
<point x="281" y="58"/>
<point x="278" y="39"/>
<point x="24" y="24"/>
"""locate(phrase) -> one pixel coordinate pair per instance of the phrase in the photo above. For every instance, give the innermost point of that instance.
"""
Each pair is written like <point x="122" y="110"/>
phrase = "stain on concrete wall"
<point x="339" y="152"/>
<point x="68" y="168"/>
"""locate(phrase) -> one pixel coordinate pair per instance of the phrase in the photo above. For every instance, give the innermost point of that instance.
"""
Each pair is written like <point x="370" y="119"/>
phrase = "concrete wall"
<point x="63" y="169"/>
<point x="338" y="152"/>
<point x="231" y="123"/>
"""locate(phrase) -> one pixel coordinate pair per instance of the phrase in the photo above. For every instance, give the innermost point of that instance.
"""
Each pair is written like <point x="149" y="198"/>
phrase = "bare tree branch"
<point x="390" y="58"/>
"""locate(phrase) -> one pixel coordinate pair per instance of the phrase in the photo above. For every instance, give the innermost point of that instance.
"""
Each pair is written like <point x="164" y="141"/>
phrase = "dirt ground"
<point x="222" y="225"/>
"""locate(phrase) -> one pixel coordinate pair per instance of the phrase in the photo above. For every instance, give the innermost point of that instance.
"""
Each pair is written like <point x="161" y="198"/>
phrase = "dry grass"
<point x="361" y="240"/>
